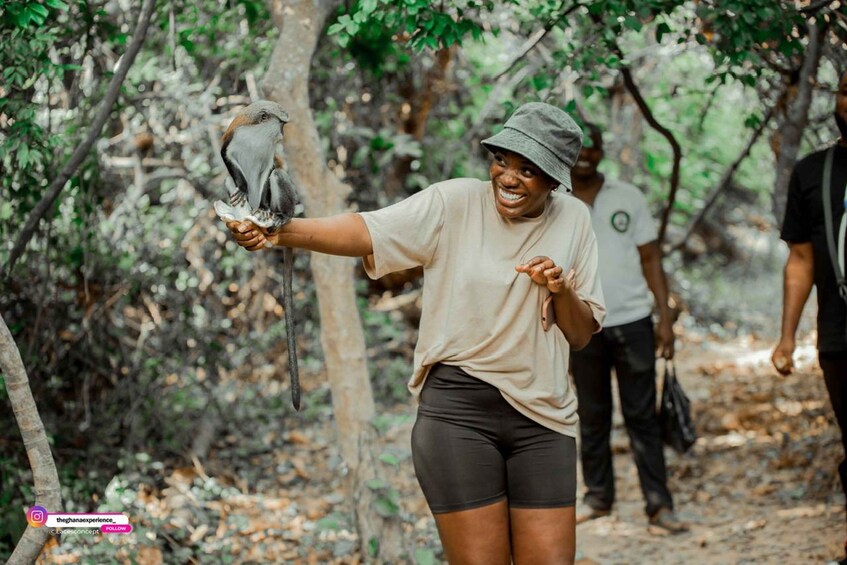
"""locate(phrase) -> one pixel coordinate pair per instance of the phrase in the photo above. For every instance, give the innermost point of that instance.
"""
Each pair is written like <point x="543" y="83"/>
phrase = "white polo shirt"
<point x="622" y="222"/>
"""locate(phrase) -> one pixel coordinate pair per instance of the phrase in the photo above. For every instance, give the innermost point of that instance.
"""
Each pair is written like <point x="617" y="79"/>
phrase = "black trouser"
<point x="834" y="367"/>
<point x="630" y="350"/>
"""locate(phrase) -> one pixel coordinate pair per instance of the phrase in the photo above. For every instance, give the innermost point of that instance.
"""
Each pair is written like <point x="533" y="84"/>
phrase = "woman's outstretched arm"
<point x="343" y="234"/>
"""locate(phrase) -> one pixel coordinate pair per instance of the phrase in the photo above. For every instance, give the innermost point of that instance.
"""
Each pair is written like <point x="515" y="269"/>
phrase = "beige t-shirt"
<point x="478" y="313"/>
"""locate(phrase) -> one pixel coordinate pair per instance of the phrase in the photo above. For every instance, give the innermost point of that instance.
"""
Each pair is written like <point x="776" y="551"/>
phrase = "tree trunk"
<point x="790" y="131"/>
<point x="626" y="126"/>
<point x="287" y="82"/>
<point x="44" y="475"/>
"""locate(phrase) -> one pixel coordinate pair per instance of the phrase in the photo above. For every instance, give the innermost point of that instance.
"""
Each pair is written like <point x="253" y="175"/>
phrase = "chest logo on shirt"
<point x="620" y="221"/>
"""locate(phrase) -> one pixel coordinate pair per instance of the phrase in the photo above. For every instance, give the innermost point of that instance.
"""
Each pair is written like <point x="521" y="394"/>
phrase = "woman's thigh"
<point x="543" y="536"/>
<point x="476" y="537"/>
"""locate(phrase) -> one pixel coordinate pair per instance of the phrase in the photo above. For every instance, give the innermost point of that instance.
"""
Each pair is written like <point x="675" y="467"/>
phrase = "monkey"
<point x="261" y="191"/>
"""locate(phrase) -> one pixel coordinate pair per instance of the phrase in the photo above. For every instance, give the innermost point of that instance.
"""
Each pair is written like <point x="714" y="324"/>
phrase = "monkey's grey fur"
<point x="261" y="191"/>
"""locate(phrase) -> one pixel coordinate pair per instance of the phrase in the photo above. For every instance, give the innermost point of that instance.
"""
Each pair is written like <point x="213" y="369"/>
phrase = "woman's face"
<point x="520" y="187"/>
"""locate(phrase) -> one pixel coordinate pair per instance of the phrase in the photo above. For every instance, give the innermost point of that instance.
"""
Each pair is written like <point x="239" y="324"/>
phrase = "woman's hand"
<point x="542" y="270"/>
<point x="249" y="236"/>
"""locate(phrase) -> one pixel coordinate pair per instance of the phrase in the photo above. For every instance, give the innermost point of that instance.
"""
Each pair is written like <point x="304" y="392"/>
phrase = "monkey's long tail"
<point x="288" y="304"/>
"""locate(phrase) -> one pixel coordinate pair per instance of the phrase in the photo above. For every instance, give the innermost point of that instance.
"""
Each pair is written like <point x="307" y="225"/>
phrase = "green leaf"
<point x="22" y="18"/>
<point x="390" y="459"/>
<point x="375" y="484"/>
<point x="425" y="557"/>
<point x="39" y="10"/>
<point x="373" y="547"/>
<point x="386" y="507"/>
<point x="23" y="156"/>
<point x="662" y="29"/>
<point x="57" y="4"/>
<point x="633" y="23"/>
<point x="327" y="523"/>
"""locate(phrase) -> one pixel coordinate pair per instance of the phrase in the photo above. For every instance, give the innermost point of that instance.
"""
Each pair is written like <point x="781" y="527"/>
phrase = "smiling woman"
<point x="493" y="444"/>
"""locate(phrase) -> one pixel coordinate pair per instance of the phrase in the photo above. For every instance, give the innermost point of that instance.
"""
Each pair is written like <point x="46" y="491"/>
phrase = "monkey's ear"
<point x="264" y="116"/>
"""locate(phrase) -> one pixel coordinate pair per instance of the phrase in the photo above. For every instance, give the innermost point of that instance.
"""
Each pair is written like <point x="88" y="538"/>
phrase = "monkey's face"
<point x="269" y="129"/>
<point x="265" y="110"/>
<point x="269" y="126"/>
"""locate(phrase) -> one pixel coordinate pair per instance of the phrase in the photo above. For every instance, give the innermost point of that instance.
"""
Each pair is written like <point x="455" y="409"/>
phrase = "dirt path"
<point x="759" y="486"/>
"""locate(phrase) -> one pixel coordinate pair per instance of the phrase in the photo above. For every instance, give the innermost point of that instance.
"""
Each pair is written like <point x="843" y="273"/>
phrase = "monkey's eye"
<point x="264" y="116"/>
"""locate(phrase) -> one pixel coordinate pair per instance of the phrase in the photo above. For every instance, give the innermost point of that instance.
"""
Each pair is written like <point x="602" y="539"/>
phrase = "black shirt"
<point x="804" y="222"/>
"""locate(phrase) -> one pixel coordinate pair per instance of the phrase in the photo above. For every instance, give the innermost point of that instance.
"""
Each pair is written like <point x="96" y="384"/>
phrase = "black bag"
<point x="675" y="413"/>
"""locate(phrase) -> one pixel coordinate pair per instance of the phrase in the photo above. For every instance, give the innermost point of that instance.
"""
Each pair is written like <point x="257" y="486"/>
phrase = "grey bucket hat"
<point x="544" y="134"/>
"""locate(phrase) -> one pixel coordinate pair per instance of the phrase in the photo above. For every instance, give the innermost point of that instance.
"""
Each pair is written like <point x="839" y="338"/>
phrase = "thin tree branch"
<point x="82" y="150"/>
<point x="634" y="91"/>
<point x="709" y="103"/>
<point x="725" y="181"/>
<point x="815" y="6"/>
<point x="534" y="40"/>
<point x="48" y="493"/>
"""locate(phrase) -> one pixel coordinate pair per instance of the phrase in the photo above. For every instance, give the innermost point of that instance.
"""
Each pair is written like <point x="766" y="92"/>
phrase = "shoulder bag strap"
<point x="826" y="195"/>
<point x="835" y="251"/>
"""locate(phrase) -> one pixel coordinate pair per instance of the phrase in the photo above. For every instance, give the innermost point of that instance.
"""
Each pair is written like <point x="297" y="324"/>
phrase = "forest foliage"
<point x="137" y="317"/>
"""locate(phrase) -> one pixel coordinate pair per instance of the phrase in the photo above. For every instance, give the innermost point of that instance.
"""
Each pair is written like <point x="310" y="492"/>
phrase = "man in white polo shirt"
<point x="630" y="269"/>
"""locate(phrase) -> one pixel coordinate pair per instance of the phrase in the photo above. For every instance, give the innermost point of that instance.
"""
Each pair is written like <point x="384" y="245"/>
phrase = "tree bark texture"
<point x="342" y="339"/>
<point x="626" y="125"/>
<point x="45" y="478"/>
<point x="790" y="131"/>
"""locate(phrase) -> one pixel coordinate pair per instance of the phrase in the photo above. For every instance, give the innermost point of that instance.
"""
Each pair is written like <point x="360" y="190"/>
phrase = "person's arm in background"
<point x="798" y="278"/>
<point x="342" y="234"/>
<point x="651" y="266"/>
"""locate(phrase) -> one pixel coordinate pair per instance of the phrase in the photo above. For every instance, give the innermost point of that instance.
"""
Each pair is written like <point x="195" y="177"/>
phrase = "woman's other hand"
<point x="542" y="270"/>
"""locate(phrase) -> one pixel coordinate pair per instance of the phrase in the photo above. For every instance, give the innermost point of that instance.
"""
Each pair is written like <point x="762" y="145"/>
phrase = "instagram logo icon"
<point x="36" y="516"/>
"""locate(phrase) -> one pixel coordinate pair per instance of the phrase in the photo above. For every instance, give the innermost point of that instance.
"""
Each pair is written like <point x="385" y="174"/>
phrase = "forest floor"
<point x="760" y="485"/>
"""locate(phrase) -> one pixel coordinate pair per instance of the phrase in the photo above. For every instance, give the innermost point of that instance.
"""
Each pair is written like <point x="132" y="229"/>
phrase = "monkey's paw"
<point x="267" y="219"/>
<point x="229" y="213"/>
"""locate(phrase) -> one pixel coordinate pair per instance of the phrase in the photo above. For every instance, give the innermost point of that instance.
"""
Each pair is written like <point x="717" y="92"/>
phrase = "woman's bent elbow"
<point x="579" y="342"/>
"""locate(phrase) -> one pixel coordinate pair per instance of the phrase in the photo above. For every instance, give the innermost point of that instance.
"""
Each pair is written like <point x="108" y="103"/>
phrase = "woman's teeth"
<point x="509" y="196"/>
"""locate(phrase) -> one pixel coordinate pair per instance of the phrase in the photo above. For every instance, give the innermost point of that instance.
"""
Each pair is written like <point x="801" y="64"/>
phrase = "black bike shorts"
<point x="472" y="448"/>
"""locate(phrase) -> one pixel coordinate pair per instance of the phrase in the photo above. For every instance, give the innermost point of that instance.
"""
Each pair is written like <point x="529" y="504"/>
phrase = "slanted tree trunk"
<point x="287" y="82"/>
<point x="790" y="131"/>
<point x="44" y="475"/>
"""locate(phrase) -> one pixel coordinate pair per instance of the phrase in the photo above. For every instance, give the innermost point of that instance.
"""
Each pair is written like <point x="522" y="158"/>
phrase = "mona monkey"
<point x="261" y="191"/>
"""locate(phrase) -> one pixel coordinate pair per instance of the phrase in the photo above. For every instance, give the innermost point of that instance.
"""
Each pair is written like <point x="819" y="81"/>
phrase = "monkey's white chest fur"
<point x="252" y="150"/>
